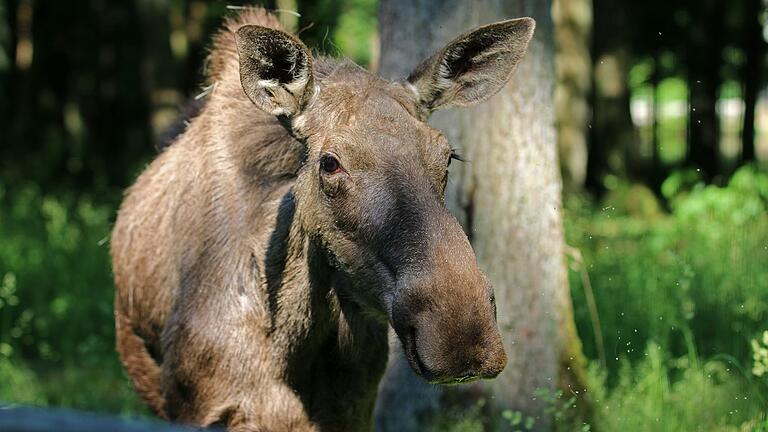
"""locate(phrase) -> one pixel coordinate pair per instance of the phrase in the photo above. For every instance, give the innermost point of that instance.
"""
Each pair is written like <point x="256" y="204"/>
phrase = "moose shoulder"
<point x="260" y="259"/>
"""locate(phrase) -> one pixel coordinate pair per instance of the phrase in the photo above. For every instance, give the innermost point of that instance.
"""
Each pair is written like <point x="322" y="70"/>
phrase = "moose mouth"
<point x="421" y="369"/>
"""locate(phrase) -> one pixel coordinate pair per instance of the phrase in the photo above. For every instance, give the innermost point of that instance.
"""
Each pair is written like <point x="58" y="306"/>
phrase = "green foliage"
<point x="340" y="28"/>
<point x="680" y="296"/>
<point x="760" y="355"/>
<point x="20" y="385"/>
<point x="54" y="266"/>
<point x="471" y="419"/>
<point x="669" y="279"/>
<point x="56" y="325"/>
<point x="357" y="28"/>
<point x="667" y="394"/>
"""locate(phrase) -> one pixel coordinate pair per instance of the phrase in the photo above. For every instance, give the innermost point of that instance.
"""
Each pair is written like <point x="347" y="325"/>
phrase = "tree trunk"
<point x="612" y="139"/>
<point x="704" y="63"/>
<point x="656" y="173"/>
<point x="160" y="65"/>
<point x="508" y="197"/>
<point x="754" y="47"/>
<point x="703" y="151"/>
<point x="573" y="26"/>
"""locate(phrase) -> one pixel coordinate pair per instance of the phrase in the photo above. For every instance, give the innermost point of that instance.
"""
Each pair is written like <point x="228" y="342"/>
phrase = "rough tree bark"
<point x="508" y="197"/>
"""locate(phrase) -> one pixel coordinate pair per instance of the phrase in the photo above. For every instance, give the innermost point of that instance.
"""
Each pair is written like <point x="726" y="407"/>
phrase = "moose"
<point x="261" y="257"/>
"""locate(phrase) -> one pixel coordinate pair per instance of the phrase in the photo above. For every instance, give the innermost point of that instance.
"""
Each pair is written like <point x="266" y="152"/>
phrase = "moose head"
<point x="371" y="191"/>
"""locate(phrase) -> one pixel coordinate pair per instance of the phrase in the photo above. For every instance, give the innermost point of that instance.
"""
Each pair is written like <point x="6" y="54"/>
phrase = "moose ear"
<point x="275" y="70"/>
<point x="474" y="66"/>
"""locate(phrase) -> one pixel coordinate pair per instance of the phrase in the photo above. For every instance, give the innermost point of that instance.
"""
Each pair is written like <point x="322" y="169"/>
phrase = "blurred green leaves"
<point x="56" y="291"/>
<point x="680" y="296"/>
<point x="357" y="30"/>
<point x="662" y="393"/>
<point x="760" y="355"/>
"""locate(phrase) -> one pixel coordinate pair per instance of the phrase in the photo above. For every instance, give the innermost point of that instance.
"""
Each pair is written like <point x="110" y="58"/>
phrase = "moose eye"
<point x="329" y="164"/>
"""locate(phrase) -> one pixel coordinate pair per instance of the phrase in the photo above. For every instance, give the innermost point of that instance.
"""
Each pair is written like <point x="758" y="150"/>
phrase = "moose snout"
<point x="442" y="307"/>
<point x="448" y="352"/>
<point x="449" y="340"/>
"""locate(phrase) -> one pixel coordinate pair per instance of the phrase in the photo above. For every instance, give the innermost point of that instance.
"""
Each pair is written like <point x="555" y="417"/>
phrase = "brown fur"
<point x="254" y="289"/>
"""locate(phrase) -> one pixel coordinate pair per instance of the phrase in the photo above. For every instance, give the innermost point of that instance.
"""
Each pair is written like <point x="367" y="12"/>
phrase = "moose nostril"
<point x="425" y="371"/>
<point x="412" y="351"/>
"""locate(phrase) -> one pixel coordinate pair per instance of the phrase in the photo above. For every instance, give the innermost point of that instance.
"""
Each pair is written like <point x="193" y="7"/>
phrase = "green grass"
<point x="661" y="393"/>
<point x="680" y="298"/>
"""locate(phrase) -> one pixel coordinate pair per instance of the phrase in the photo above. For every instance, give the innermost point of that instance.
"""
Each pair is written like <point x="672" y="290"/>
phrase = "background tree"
<point x="508" y="197"/>
<point x="705" y="54"/>
<point x="751" y="75"/>
<point x="612" y="135"/>
<point x="573" y="65"/>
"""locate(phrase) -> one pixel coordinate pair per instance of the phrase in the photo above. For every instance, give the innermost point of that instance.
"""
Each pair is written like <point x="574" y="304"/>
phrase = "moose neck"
<point x="339" y="353"/>
<point x="335" y="353"/>
<point x="338" y="317"/>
